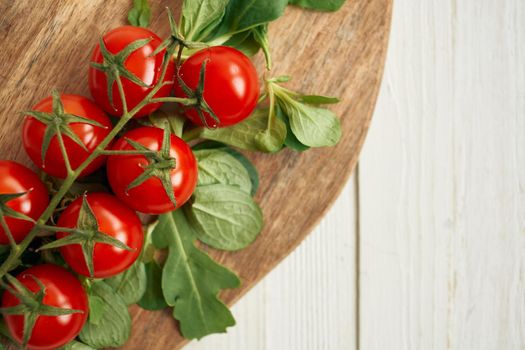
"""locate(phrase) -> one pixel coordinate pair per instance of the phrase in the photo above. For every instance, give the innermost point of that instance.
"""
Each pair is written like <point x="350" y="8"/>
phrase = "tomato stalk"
<point x="17" y="249"/>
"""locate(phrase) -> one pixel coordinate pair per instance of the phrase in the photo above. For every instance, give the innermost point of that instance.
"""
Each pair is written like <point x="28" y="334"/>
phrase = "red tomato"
<point x="90" y="135"/>
<point x="150" y="197"/>
<point x="62" y="290"/>
<point x="115" y="220"/>
<point x="146" y="67"/>
<point x="16" y="178"/>
<point x="231" y="84"/>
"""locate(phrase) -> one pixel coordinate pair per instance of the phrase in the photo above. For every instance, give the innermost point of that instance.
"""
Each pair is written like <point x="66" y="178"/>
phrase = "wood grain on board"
<point x="47" y="45"/>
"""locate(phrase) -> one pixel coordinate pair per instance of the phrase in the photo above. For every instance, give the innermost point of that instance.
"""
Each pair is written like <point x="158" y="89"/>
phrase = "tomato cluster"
<point x="68" y="136"/>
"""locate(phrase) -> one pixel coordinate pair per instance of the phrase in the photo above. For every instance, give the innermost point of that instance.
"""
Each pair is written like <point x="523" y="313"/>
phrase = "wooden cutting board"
<point x="47" y="44"/>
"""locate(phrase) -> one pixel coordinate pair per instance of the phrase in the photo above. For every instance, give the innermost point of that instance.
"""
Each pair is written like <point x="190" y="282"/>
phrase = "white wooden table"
<point x="425" y="248"/>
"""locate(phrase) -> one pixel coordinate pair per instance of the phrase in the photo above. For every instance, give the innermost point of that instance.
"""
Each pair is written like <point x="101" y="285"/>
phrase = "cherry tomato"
<point x="90" y="135"/>
<point x="150" y="197"/>
<point x="62" y="290"/>
<point x="231" y="85"/>
<point x="114" y="219"/>
<point x="140" y="63"/>
<point x="16" y="178"/>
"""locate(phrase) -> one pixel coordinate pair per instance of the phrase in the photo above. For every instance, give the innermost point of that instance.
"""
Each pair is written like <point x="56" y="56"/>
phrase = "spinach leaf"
<point x="318" y="100"/>
<point x="224" y="217"/>
<point x="96" y="309"/>
<point x="114" y="326"/>
<point x="313" y="126"/>
<point x="243" y="135"/>
<point x="76" y="345"/>
<point x="153" y="298"/>
<point x="130" y="285"/>
<point x="175" y="121"/>
<point x="244" y="42"/>
<point x="218" y="167"/>
<point x="321" y="5"/>
<point x="241" y="15"/>
<point x="200" y="17"/>
<point x="191" y="280"/>
<point x="291" y="141"/>
<point x="140" y="13"/>
<point x="250" y="168"/>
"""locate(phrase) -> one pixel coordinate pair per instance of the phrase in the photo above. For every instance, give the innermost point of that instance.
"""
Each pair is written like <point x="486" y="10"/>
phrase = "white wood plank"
<point x="442" y="182"/>
<point x="308" y="302"/>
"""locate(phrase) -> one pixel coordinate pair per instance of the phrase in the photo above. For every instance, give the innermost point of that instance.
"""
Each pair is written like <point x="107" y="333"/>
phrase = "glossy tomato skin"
<point x="231" y="84"/>
<point x="114" y="219"/>
<point x="63" y="290"/>
<point x="150" y="197"/>
<point x="90" y="135"/>
<point x="16" y="178"/>
<point x="147" y="68"/>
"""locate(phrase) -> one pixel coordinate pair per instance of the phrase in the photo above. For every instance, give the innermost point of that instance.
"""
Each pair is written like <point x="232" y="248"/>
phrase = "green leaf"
<point x="76" y="345"/>
<point x="244" y="42"/>
<point x="224" y="217"/>
<point x="96" y="309"/>
<point x="114" y="327"/>
<point x="272" y="139"/>
<point x="248" y="165"/>
<point x="140" y="13"/>
<point x="219" y="167"/>
<point x="153" y="298"/>
<point x="260" y="34"/>
<point x="175" y="121"/>
<point x="313" y="126"/>
<point x="291" y="141"/>
<point x="201" y="17"/>
<point x="241" y="15"/>
<point x="191" y="280"/>
<point x="130" y="284"/>
<point x="321" y="5"/>
<point x="241" y="135"/>
<point x="318" y="100"/>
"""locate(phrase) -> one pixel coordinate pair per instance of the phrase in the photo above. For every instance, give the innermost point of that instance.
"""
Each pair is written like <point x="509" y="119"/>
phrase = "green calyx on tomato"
<point x="114" y="65"/>
<point x="201" y="105"/>
<point x="161" y="163"/>
<point x="86" y="233"/>
<point x="6" y="211"/>
<point x="57" y="124"/>
<point x="31" y="305"/>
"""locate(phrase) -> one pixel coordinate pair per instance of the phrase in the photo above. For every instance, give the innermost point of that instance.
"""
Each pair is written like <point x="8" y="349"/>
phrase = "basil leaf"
<point x="200" y="17"/>
<point x="224" y="217"/>
<point x="241" y="135"/>
<point x="241" y="15"/>
<point x="76" y="345"/>
<point x="313" y="126"/>
<point x="218" y="167"/>
<point x="140" y="14"/>
<point x="248" y="165"/>
<point x="291" y="141"/>
<point x="318" y="100"/>
<point x="114" y="327"/>
<point x="153" y="299"/>
<point x="321" y="5"/>
<point x="130" y="285"/>
<point x="191" y="280"/>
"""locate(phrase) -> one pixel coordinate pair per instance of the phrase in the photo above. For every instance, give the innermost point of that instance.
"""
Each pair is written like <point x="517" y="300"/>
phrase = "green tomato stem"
<point x="17" y="249"/>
